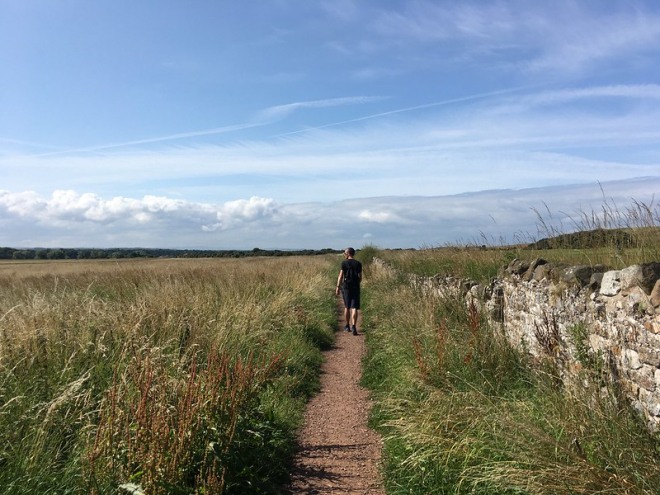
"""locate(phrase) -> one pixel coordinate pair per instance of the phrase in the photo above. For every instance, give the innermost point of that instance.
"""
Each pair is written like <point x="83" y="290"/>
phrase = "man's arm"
<point x="340" y="278"/>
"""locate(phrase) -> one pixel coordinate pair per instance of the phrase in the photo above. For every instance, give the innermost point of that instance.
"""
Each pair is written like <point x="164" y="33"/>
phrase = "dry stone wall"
<point x="573" y="313"/>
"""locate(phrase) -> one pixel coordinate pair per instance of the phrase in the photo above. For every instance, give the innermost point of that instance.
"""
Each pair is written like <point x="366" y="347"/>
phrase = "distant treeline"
<point x="7" y="253"/>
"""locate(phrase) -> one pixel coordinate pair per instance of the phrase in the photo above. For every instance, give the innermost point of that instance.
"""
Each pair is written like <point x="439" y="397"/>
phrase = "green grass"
<point x="461" y="411"/>
<point x="468" y="262"/>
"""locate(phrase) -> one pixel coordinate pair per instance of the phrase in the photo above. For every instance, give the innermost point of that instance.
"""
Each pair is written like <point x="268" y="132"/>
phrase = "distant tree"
<point x="56" y="254"/>
<point x="6" y="253"/>
<point x="23" y="254"/>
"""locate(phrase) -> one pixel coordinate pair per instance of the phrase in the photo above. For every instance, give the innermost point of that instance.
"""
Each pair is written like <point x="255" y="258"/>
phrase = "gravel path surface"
<point x="339" y="453"/>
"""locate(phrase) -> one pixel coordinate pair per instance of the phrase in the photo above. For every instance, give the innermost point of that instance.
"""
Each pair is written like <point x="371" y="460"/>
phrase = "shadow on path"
<point x="338" y="452"/>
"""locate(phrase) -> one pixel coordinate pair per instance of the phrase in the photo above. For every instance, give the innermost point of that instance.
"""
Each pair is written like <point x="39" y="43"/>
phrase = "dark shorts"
<point x="351" y="298"/>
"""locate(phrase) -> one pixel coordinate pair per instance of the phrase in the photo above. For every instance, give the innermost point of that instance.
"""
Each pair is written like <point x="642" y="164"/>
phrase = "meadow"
<point x="158" y="376"/>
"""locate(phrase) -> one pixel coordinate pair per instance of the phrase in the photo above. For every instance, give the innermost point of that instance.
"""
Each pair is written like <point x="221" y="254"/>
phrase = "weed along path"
<point x="339" y="453"/>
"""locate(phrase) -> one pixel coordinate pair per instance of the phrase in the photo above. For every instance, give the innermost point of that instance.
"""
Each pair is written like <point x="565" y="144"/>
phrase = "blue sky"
<point x="312" y="124"/>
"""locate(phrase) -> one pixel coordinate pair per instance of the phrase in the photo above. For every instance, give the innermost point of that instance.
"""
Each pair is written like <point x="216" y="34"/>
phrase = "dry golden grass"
<point x="134" y="344"/>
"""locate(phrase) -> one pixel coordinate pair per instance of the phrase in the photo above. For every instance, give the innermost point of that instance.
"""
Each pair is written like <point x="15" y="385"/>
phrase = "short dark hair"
<point x="350" y="251"/>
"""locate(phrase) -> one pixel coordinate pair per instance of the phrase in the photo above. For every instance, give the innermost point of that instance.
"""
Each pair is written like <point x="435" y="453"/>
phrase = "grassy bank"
<point x="616" y="238"/>
<point x="463" y="412"/>
<point x="167" y="376"/>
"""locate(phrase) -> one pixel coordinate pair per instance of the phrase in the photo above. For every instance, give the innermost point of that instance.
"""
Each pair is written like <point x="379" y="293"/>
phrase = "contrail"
<point x="283" y="109"/>
<point x="29" y="143"/>
<point x="409" y="109"/>
<point x="265" y="117"/>
<point x="217" y="130"/>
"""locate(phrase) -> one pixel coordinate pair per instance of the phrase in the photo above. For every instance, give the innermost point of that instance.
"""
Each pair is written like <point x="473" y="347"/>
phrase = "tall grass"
<point x="464" y="261"/>
<point x="163" y="376"/>
<point x="462" y="411"/>
<point x="614" y="236"/>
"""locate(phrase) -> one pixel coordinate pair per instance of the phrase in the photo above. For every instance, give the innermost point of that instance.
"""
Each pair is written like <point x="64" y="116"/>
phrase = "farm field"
<point x="158" y="375"/>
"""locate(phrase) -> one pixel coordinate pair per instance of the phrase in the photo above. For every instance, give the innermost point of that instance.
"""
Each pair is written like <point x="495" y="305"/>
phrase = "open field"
<point x="174" y="376"/>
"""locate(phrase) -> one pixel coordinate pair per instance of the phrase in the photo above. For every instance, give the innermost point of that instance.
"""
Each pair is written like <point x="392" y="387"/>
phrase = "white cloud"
<point x="68" y="208"/>
<point x="640" y="91"/>
<point x="560" y="38"/>
<point x="243" y="211"/>
<point x="69" y="219"/>
<point x="23" y="204"/>
<point x="376" y="216"/>
<point x="281" y="111"/>
<point x="582" y="41"/>
<point x="345" y="10"/>
<point x="428" y="21"/>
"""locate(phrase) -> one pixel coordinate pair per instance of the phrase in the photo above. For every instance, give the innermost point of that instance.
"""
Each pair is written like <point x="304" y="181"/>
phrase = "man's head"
<point x="349" y="251"/>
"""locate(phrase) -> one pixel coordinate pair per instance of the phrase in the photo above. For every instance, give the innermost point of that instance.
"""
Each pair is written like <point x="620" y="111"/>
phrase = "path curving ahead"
<point x="339" y="453"/>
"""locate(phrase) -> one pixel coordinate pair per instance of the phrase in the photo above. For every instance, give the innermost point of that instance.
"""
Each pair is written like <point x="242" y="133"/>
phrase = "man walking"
<point x="348" y="281"/>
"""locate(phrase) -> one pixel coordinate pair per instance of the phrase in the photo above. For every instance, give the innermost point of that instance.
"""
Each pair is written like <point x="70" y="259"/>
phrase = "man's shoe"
<point x="347" y="328"/>
<point x="355" y="331"/>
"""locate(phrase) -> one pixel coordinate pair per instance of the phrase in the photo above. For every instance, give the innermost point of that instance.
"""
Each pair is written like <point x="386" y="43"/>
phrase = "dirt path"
<point x="339" y="453"/>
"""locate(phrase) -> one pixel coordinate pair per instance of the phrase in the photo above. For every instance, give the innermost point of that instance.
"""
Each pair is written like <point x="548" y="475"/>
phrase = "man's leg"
<point x="347" y="314"/>
<point x="355" y="307"/>
<point x="354" y="314"/>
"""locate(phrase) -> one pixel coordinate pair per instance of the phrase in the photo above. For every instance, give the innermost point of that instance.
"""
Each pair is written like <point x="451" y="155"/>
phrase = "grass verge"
<point x="462" y="412"/>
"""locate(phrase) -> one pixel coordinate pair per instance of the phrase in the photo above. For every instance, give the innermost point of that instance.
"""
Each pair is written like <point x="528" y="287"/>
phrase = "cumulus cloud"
<point x="70" y="219"/>
<point x="243" y="210"/>
<point x="67" y="208"/>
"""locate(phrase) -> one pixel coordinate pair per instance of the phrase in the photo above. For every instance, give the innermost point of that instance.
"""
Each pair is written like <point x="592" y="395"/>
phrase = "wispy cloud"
<point x="160" y="139"/>
<point x="282" y="111"/>
<point x="28" y="144"/>
<point x="562" y="38"/>
<point x="430" y="21"/>
<point x="407" y="109"/>
<point x="345" y="10"/>
<point x="511" y="138"/>
<point x="639" y="91"/>
<point x="262" y="118"/>
<point x="585" y="41"/>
